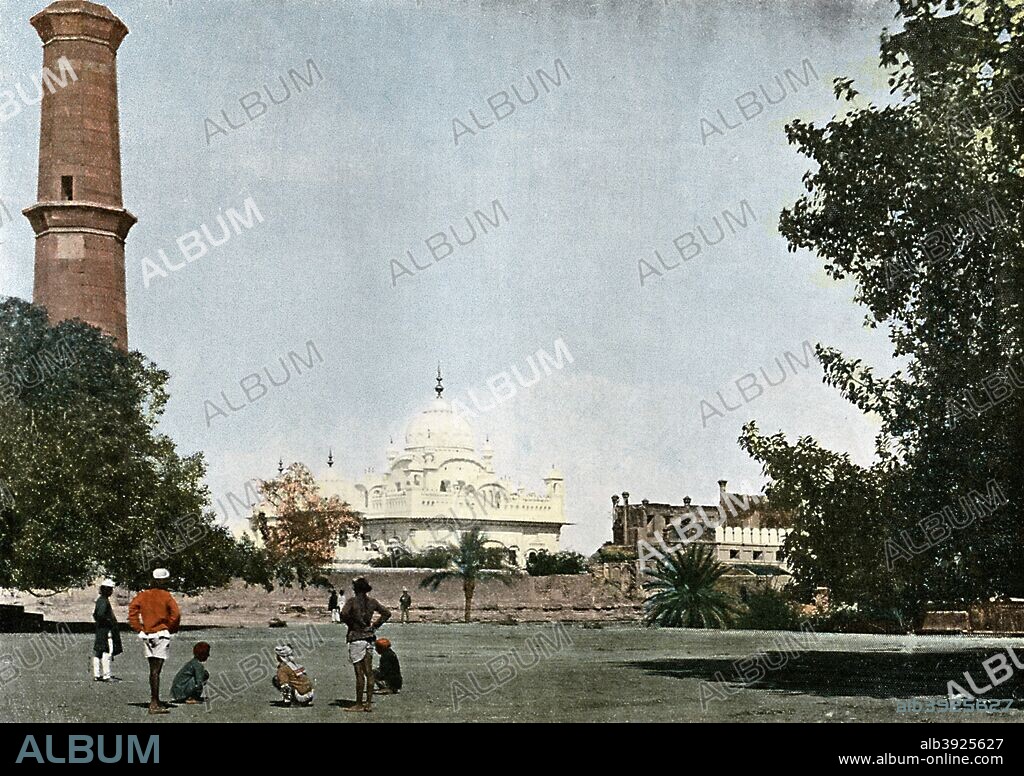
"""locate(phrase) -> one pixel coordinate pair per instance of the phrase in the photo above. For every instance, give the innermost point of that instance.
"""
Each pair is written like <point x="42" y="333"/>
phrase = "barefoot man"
<point x="358" y="616"/>
<point x="154" y="615"/>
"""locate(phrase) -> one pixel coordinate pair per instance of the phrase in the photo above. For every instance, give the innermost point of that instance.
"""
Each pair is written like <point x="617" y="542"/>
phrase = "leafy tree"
<point x="472" y="562"/>
<point x="544" y="563"/>
<point x="682" y="590"/>
<point x="304" y="528"/>
<point x="916" y="200"/>
<point x="90" y="486"/>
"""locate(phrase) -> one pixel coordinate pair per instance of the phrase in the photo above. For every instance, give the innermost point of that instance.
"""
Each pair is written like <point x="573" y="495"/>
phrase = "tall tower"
<point x="79" y="219"/>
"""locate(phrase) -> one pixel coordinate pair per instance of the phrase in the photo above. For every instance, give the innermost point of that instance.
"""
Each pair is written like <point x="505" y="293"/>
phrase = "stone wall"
<point x="997" y="617"/>
<point x="527" y="599"/>
<point x="988" y="619"/>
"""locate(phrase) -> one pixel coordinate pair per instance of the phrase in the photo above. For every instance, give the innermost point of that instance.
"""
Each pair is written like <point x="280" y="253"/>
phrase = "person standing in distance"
<point x="154" y="615"/>
<point x="332" y="606"/>
<point x="405" y="603"/>
<point x="108" y="636"/>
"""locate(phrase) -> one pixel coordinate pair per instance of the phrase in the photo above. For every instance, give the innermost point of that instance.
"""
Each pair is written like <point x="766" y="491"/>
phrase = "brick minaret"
<point x="79" y="220"/>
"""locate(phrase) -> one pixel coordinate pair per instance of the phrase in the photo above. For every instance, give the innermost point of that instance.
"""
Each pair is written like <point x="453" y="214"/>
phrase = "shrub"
<point x="544" y="563"/>
<point x="434" y="558"/>
<point x="854" y="619"/>
<point x="768" y="609"/>
<point x="683" y="591"/>
<point x="437" y="558"/>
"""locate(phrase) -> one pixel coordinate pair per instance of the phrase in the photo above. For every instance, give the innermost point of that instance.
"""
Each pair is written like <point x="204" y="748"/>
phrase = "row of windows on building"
<point x="766" y="556"/>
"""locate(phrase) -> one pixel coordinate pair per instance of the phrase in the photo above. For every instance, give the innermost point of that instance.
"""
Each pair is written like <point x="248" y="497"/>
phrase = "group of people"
<point x="155" y="616"/>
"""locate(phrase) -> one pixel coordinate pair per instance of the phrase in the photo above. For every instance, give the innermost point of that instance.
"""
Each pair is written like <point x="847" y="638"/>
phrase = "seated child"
<point x="387" y="678"/>
<point x="291" y="678"/>
<point x="190" y="682"/>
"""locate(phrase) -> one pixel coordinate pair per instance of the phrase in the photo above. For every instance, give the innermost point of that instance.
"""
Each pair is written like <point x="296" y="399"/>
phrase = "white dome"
<point x="439" y="427"/>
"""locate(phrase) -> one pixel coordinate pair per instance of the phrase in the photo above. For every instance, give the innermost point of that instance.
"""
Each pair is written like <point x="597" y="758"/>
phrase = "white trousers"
<point x="101" y="665"/>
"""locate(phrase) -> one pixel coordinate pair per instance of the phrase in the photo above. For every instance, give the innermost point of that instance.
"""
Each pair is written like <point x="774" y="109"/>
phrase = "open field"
<point x="557" y="673"/>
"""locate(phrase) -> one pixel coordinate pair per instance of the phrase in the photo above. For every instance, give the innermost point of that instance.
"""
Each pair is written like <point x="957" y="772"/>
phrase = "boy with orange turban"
<point x="387" y="678"/>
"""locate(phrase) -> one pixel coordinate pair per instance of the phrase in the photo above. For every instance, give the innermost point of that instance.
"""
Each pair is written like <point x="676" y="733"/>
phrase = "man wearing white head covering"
<point x="108" y="635"/>
<point x="154" y="615"/>
<point x="291" y="678"/>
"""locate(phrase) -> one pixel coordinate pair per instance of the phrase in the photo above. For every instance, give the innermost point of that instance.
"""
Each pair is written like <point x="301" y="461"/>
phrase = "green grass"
<point x="609" y="674"/>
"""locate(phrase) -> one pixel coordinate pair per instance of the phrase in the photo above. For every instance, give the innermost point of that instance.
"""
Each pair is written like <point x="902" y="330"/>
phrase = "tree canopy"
<point x="916" y="200"/>
<point x="301" y="534"/>
<point x="90" y="486"/>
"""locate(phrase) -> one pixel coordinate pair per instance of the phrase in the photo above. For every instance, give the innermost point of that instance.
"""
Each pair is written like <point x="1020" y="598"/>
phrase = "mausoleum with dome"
<point x="438" y="485"/>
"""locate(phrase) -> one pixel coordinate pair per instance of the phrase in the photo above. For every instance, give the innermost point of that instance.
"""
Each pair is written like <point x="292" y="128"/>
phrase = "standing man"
<point x="404" y="603"/>
<point x="332" y="606"/>
<point x="154" y="615"/>
<point x="358" y="616"/>
<point x="108" y="635"/>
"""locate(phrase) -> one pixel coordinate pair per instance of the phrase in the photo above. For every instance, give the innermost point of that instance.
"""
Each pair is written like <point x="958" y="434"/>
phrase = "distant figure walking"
<point x="154" y="615"/>
<point x="108" y="635"/>
<point x="405" y="603"/>
<point x="357" y="614"/>
<point x="291" y="678"/>
<point x="189" y="684"/>
<point x="332" y="606"/>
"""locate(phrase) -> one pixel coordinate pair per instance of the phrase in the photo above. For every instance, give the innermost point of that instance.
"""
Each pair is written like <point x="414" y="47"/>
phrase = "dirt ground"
<point x="530" y="672"/>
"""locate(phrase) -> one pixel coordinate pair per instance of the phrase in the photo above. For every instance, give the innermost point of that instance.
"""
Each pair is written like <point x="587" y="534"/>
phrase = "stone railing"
<point x="761" y="537"/>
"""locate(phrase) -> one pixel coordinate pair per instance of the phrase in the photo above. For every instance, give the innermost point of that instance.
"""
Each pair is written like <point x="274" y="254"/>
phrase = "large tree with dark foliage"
<point x="917" y="199"/>
<point x="89" y="486"/>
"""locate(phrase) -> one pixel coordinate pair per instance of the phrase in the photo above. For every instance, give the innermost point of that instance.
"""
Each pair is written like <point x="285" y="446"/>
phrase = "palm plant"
<point x="469" y="561"/>
<point x="682" y="591"/>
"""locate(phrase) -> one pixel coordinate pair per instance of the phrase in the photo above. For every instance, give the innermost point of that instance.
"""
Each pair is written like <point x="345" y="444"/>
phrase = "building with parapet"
<point x="740" y="527"/>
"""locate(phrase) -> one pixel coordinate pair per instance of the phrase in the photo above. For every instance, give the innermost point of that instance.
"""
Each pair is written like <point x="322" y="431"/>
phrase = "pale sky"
<point x="594" y="175"/>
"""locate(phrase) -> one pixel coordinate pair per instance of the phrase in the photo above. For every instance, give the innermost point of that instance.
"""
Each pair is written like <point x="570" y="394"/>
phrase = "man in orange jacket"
<point x="154" y="615"/>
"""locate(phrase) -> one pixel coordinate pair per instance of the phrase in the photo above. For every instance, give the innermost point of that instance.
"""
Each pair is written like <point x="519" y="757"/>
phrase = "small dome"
<point x="439" y="427"/>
